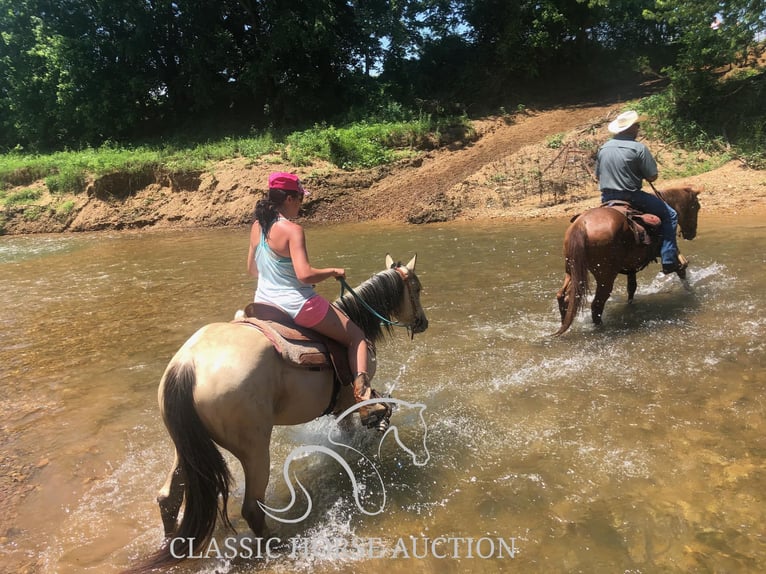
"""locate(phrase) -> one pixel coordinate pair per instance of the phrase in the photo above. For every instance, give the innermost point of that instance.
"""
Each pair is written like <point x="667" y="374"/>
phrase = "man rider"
<point x="621" y="165"/>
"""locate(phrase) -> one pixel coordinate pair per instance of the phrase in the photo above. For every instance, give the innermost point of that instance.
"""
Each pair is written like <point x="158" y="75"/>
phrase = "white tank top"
<point x="277" y="282"/>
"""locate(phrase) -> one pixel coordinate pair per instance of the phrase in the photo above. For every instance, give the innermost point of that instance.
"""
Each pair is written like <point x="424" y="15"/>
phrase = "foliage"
<point x="701" y="45"/>
<point x="21" y="197"/>
<point x="66" y="181"/>
<point x="351" y="148"/>
<point x="703" y="108"/>
<point x="118" y="73"/>
<point x="64" y="209"/>
<point x="360" y="144"/>
<point x="730" y="118"/>
<point x="365" y="144"/>
<point x="68" y="172"/>
<point x="555" y="141"/>
<point x="83" y="73"/>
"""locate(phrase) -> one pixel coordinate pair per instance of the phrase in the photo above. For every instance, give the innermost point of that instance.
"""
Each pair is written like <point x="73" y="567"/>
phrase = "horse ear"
<point x="389" y="261"/>
<point x="411" y="264"/>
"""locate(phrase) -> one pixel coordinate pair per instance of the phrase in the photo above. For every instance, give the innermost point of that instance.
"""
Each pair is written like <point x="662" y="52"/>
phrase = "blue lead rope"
<point x="344" y="286"/>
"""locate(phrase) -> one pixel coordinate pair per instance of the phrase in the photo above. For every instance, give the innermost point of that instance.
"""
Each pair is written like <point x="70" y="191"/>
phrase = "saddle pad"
<point x="298" y="345"/>
<point x="295" y="344"/>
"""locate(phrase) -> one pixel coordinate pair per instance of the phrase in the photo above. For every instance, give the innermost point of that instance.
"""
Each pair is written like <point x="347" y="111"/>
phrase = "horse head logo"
<point x="418" y="453"/>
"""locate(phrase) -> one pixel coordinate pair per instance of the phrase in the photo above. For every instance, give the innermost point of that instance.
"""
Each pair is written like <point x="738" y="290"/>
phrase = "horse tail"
<point x="577" y="268"/>
<point x="204" y="470"/>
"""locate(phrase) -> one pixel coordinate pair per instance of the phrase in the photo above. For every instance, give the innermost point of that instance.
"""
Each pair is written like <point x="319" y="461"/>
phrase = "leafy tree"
<point x="705" y="105"/>
<point x="700" y="45"/>
<point x="81" y="72"/>
<point x="26" y="84"/>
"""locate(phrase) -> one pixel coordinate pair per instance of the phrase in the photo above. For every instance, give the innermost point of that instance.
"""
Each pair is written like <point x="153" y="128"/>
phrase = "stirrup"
<point x="372" y="415"/>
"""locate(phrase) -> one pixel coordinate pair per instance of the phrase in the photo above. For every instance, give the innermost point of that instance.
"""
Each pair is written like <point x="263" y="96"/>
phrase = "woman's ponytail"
<point x="266" y="212"/>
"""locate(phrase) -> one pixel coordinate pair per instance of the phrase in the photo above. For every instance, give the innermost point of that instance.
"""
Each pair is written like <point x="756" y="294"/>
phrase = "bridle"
<point x="659" y="194"/>
<point x="404" y="273"/>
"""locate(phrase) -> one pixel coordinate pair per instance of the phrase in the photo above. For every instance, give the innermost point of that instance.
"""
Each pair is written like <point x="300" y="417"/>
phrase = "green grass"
<point x="555" y="141"/>
<point x="729" y="121"/>
<point x="20" y="197"/>
<point x="68" y="171"/>
<point x="365" y="145"/>
<point x="360" y="144"/>
<point x="64" y="209"/>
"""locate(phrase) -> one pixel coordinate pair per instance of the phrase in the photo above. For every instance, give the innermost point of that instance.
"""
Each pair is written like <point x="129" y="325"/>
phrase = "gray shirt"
<point x="623" y="163"/>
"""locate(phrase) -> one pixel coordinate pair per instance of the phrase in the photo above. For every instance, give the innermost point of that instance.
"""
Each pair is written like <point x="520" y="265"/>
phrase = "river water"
<point x="636" y="447"/>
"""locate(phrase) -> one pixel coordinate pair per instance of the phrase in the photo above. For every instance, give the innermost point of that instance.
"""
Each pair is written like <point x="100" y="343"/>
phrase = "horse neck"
<point x="676" y="197"/>
<point x="383" y="293"/>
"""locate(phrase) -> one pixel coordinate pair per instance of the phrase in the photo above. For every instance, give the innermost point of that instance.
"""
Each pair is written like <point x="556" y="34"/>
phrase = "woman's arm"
<point x="303" y="269"/>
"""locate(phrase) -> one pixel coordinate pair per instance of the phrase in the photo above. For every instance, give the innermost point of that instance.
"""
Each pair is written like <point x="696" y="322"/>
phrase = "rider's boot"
<point x="370" y="415"/>
<point x="679" y="267"/>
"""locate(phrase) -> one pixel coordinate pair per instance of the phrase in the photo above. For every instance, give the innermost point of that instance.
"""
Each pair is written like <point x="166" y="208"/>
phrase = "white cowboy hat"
<point x="624" y="121"/>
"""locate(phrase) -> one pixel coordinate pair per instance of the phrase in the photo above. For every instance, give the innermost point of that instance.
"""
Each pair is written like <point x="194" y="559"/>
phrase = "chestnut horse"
<point x="227" y="387"/>
<point x="602" y="242"/>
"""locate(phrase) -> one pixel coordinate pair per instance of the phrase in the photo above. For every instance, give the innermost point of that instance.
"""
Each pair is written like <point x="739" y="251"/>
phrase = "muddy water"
<point x="637" y="447"/>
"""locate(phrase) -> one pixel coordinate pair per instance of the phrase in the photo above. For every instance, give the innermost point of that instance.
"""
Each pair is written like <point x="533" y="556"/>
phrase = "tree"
<point x="702" y="46"/>
<point x="80" y="72"/>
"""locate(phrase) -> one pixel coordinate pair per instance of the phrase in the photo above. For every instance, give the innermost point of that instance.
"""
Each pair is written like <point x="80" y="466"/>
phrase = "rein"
<point x="344" y="286"/>
<point x="656" y="191"/>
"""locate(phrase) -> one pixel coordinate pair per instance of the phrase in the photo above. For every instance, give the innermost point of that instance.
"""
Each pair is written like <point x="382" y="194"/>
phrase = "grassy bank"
<point x="359" y="145"/>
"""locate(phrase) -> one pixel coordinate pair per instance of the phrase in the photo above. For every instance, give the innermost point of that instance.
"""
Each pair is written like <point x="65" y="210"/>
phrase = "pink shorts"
<point x="312" y="312"/>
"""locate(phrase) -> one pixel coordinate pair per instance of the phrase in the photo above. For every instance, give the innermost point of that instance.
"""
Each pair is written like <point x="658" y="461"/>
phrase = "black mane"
<point x="383" y="292"/>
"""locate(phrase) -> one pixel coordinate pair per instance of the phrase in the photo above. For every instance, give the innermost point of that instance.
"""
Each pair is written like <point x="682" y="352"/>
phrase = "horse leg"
<point x="632" y="285"/>
<point x="561" y="296"/>
<point x="256" y="466"/>
<point x="603" y="290"/>
<point x="170" y="497"/>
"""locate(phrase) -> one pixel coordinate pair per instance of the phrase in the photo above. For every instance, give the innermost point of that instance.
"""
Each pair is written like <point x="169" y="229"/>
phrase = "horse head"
<point x="410" y="312"/>
<point x="686" y="203"/>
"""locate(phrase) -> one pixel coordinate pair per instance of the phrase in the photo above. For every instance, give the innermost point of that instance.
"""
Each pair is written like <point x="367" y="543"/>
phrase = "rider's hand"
<point x="339" y="273"/>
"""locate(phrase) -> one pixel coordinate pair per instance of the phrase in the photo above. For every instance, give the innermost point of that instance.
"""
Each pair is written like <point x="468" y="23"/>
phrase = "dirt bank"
<point x="535" y="164"/>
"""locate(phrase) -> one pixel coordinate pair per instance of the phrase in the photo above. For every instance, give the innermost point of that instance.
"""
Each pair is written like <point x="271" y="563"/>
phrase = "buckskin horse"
<point x="227" y="387"/>
<point x="605" y="241"/>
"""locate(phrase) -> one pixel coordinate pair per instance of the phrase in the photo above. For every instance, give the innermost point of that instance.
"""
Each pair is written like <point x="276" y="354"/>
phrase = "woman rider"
<point x="278" y="258"/>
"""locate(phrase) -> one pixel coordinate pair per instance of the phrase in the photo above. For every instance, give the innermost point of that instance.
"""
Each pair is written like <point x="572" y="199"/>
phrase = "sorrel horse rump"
<point x="604" y="242"/>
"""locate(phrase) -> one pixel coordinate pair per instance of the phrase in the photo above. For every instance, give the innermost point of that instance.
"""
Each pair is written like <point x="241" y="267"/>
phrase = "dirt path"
<point x="414" y="195"/>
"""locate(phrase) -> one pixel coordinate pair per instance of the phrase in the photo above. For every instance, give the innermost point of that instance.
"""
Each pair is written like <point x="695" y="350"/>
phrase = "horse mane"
<point x="383" y="292"/>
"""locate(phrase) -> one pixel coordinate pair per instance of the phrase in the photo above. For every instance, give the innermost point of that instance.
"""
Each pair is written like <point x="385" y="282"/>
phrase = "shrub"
<point x="69" y="180"/>
<point x="23" y="197"/>
<point x="64" y="209"/>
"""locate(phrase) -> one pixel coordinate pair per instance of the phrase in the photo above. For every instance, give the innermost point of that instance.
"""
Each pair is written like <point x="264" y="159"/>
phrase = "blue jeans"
<point x="649" y="203"/>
